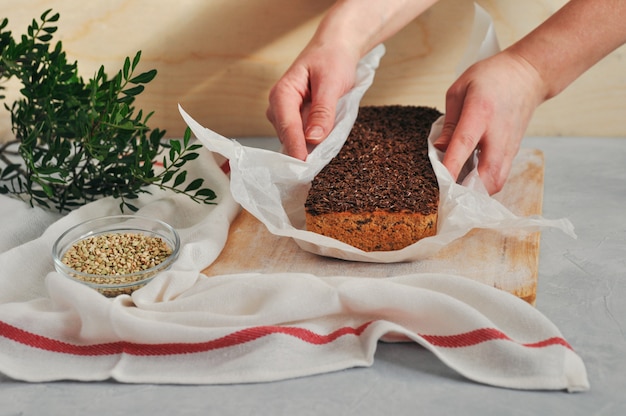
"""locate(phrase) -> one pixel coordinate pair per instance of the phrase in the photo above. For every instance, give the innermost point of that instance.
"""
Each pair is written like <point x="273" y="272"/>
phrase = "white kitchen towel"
<point x="184" y="327"/>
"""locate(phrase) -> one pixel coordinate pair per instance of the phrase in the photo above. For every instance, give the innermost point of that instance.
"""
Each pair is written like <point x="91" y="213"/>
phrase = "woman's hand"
<point x="488" y="108"/>
<point x="302" y="103"/>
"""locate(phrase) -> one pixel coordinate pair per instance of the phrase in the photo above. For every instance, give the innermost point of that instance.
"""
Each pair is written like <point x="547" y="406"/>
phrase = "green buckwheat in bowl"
<point x="116" y="255"/>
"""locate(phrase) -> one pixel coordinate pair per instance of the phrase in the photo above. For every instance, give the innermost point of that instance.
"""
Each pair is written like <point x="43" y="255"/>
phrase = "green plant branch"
<point x="81" y="140"/>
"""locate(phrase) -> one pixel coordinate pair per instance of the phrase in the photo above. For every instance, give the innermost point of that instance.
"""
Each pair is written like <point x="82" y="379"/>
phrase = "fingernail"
<point x="314" y="133"/>
<point x="440" y="144"/>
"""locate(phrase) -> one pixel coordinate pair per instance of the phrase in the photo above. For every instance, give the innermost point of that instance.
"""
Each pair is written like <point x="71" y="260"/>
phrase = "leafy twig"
<point x="83" y="140"/>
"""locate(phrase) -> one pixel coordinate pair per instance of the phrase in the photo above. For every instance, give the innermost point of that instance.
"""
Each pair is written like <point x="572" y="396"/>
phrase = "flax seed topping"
<point x="383" y="165"/>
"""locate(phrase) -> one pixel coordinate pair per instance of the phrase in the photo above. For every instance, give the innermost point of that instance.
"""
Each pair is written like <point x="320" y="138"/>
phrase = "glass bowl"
<point x="103" y="253"/>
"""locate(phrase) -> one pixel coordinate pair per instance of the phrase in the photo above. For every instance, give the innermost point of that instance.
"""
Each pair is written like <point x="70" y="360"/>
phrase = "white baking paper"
<point x="273" y="187"/>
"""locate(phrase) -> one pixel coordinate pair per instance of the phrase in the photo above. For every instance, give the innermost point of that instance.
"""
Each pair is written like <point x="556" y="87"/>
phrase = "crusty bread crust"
<point x="374" y="231"/>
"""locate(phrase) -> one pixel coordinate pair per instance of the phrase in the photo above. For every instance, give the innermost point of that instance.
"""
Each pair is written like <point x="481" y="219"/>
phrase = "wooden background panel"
<point x="219" y="58"/>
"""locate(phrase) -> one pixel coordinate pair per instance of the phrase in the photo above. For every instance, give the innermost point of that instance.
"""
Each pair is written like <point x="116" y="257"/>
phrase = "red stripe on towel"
<point x="247" y="335"/>
<point x="486" y="334"/>
<point x="236" y="338"/>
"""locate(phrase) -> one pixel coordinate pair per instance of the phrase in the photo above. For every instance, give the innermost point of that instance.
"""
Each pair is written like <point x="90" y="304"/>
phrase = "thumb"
<point x="320" y="120"/>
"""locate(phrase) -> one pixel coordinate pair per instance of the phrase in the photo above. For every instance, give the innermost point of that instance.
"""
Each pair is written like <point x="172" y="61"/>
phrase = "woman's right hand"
<point x="302" y="103"/>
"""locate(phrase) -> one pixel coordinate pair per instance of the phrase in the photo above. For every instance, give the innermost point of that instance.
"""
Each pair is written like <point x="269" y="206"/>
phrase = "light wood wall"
<point x="219" y="58"/>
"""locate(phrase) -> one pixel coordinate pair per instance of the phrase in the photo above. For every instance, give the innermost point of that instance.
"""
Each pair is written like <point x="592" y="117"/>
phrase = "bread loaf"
<point x="380" y="192"/>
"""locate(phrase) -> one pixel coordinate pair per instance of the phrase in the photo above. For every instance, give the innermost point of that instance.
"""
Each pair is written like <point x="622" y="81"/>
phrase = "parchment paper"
<point x="273" y="187"/>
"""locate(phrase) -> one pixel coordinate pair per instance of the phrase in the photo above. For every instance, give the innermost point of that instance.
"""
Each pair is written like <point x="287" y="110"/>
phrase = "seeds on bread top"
<point x="383" y="165"/>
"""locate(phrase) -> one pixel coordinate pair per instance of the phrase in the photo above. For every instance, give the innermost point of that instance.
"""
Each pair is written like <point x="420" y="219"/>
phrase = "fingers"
<point x="285" y="101"/>
<point x="302" y="104"/>
<point x="301" y="118"/>
<point x="319" y="115"/>
<point x="464" y="127"/>
<point x="327" y="87"/>
<point x="494" y="166"/>
<point x="454" y="105"/>
<point x="468" y="126"/>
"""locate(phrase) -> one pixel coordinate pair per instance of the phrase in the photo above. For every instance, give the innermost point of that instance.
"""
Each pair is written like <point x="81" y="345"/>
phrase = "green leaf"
<point x="45" y="14"/>
<point x="47" y="189"/>
<point x="38" y="193"/>
<point x="54" y="180"/>
<point x="127" y="125"/>
<point x="127" y="99"/>
<point x="136" y="60"/>
<point x="168" y="176"/>
<point x="207" y="193"/>
<point x="190" y="156"/>
<point x="9" y="170"/>
<point x="134" y="90"/>
<point x="129" y="206"/>
<point x="186" y="136"/>
<point x="126" y="69"/>
<point x="41" y="202"/>
<point x="144" y="78"/>
<point x="180" y="178"/>
<point x="176" y="145"/>
<point x="195" y="184"/>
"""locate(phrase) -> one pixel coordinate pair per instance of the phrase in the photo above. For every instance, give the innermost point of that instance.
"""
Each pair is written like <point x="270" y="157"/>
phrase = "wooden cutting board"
<point x="508" y="262"/>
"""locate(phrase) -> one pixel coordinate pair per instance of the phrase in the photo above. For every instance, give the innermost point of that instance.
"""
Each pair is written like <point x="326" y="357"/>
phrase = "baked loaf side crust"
<point x="374" y="231"/>
<point x="380" y="192"/>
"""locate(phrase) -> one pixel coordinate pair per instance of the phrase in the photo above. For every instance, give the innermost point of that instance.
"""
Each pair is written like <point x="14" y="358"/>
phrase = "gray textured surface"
<point x="582" y="289"/>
